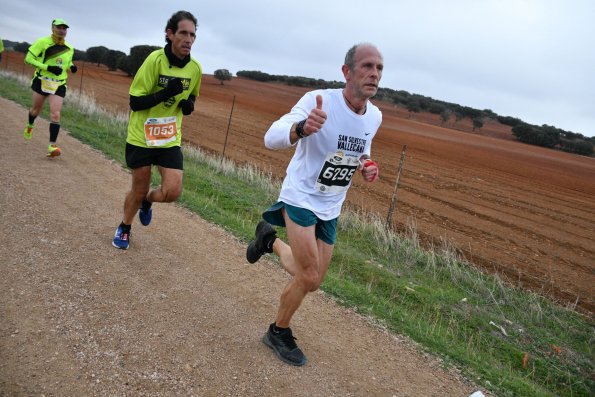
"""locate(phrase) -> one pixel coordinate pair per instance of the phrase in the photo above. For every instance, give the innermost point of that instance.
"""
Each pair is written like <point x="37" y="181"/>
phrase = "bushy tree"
<point x="550" y="135"/>
<point x="22" y="47"/>
<point x="535" y="135"/>
<point x="138" y="54"/>
<point x="436" y="108"/>
<point x="507" y="120"/>
<point x="96" y="54"/>
<point x="420" y="101"/>
<point x="489" y="113"/>
<point x="401" y="97"/>
<point x="445" y="115"/>
<point x="578" y="146"/>
<point x="569" y="135"/>
<point x="384" y="94"/>
<point x="124" y="65"/>
<point x="524" y="133"/>
<point x="79" y="55"/>
<point x="301" y="81"/>
<point x="459" y="116"/>
<point x="477" y="123"/>
<point x="254" y="75"/>
<point x="470" y="112"/>
<point x="112" y="59"/>
<point x="222" y="75"/>
<point x="413" y="106"/>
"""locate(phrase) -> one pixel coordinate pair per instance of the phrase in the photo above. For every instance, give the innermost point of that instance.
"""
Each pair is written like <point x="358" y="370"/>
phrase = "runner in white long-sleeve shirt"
<point x="333" y="130"/>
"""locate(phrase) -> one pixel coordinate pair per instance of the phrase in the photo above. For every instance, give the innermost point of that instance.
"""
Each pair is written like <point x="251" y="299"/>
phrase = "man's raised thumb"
<point x="319" y="102"/>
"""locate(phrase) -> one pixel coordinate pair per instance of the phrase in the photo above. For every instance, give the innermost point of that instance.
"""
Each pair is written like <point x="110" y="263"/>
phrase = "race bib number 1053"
<point x="160" y="131"/>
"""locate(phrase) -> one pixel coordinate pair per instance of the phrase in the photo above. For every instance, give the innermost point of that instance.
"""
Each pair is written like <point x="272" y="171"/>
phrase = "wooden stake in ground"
<point x="393" y="200"/>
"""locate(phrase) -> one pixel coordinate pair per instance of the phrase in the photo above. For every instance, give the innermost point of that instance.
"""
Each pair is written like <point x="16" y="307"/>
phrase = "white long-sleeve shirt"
<point x="320" y="171"/>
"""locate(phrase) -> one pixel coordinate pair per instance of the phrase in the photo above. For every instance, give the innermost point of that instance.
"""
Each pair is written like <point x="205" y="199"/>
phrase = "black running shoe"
<point x="283" y="343"/>
<point x="263" y="243"/>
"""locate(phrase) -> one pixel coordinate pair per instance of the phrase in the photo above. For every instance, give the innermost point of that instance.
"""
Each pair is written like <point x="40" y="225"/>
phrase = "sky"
<point x="529" y="59"/>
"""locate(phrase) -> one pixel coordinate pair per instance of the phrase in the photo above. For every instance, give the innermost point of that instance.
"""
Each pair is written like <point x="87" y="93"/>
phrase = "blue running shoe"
<point x="121" y="238"/>
<point x="145" y="213"/>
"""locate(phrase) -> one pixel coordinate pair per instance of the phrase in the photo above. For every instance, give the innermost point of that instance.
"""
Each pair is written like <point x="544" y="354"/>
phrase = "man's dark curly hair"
<point x="175" y="19"/>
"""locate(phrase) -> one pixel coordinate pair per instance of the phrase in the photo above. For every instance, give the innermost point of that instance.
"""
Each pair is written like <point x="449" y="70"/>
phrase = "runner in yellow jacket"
<point x="52" y="57"/>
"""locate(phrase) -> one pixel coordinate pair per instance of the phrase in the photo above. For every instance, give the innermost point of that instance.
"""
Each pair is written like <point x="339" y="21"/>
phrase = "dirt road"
<point x="180" y="313"/>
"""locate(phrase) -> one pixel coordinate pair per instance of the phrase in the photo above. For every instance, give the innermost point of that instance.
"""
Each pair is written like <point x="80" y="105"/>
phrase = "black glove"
<point x="173" y="88"/>
<point x="73" y="68"/>
<point x="57" y="70"/>
<point x="187" y="106"/>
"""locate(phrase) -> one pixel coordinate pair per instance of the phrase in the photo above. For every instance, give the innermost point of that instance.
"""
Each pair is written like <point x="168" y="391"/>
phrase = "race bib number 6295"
<point x="336" y="173"/>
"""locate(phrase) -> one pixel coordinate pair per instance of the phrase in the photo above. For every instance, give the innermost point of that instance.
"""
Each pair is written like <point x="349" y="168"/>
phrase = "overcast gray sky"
<point x="531" y="59"/>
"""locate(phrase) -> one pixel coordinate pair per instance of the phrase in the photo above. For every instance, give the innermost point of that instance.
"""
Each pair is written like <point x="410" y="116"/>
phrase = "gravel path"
<point x="180" y="313"/>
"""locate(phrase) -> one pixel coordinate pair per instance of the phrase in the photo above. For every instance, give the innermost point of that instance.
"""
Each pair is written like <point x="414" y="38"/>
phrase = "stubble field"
<point x="524" y="212"/>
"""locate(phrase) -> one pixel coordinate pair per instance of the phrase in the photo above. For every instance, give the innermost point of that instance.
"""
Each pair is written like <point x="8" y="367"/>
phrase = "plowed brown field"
<point x="521" y="211"/>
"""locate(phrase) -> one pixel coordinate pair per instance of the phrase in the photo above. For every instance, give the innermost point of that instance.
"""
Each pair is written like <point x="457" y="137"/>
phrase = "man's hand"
<point x="173" y="88"/>
<point x="315" y="119"/>
<point x="57" y="70"/>
<point x="187" y="106"/>
<point x="369" y="169"/>
<point x="73" y="68"/>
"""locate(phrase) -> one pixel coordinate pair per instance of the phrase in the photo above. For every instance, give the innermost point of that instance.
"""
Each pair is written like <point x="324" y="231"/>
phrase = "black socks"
<point x="146" y="205"/>
<point x="54" y="130"/>
<point x="277" y="330"/>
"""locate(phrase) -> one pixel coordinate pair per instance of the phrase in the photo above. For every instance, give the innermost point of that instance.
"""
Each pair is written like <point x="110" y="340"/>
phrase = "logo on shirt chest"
<point x="163" y="80"/>
<point x="351" y="143"/>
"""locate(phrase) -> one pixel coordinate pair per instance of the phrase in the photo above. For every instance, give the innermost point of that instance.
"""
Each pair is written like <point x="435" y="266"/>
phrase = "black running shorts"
<point x="36" y="86"/>
<point x="137" y="157"/>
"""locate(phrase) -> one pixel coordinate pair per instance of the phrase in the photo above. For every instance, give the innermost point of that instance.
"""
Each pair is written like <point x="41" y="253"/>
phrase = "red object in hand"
<point x="371" y="163"/>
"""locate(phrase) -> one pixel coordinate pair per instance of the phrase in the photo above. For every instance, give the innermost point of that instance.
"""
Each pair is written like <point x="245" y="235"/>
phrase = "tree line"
<point x="545" y="135"/>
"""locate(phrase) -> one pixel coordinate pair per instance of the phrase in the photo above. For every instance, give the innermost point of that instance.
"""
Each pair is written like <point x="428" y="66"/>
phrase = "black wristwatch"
<point x="299" y="129"/>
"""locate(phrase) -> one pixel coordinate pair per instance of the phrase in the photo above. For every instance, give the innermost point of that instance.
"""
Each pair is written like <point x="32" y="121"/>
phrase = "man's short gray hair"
<point x="350" y="56"/>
